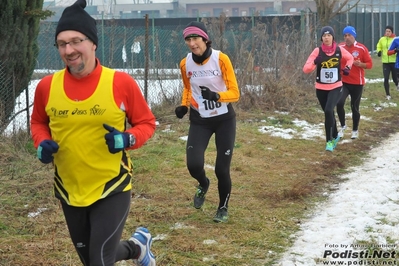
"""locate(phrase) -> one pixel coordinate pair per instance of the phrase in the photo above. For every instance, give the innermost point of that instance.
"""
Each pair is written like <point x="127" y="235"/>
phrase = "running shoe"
<point x="221" y="215"/>
<point x="143" y="239"/>
<point x="342" y="132"/>
<point x="355" y="134"/>
<point x="389" y="97"/>
<point x="335" y="141"/>
<point x="330" y="146"/>
<point x="199" y="197"/>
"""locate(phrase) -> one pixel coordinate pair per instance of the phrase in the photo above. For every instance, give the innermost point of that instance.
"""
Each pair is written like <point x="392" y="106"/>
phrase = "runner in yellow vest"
<point x="78" y="124"/>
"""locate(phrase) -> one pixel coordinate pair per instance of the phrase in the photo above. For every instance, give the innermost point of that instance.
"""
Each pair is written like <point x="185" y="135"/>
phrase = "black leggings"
<point x="96" y="230"/>
<point x="328" y="100"/>
<point x="198" y="140"/>
<point x="387" y="69"/>
<point x="355" y="91"/>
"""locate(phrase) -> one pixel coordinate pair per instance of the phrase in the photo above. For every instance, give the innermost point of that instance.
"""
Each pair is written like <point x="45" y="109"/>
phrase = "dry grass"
<point x="276" y="182"/>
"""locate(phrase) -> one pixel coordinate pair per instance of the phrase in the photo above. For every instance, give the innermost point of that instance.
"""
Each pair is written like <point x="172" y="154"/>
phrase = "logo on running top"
<point x="330" y="63"/>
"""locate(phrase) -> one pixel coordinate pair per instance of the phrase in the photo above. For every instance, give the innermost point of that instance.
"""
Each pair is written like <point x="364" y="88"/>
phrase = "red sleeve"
<point x="39" y="122"/>
<point x="139" y="115"/>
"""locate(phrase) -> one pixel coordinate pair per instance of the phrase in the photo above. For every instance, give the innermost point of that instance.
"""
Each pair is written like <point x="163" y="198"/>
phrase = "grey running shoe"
<point x="221" y="215"/>
<point x="199" y="197"/>
<point x="341" y="133"/>
<point x="355" y="134"/>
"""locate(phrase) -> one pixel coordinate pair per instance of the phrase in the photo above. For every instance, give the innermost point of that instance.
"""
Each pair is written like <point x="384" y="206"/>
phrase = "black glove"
<point x="46" y="149"/>
<point x="379" y="54"/>
<point x="181" y="111"/>
<point x="396" y="50"/>
<point x="116" y="140"/>
<point x="208" y="94"/>
<point x="317" y="60"/>
<point x="346" y="71"/>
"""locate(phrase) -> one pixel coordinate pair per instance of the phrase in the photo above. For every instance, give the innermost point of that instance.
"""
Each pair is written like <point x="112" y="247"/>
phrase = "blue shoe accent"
<point x="143" y="239"/>
<point x="335" y="141"/>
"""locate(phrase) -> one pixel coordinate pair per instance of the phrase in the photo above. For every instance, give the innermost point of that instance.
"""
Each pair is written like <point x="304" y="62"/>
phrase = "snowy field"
<point x="359" y="221"/>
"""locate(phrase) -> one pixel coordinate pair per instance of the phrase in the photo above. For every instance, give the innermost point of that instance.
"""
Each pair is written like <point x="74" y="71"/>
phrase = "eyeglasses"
<point x="74" y="43"/>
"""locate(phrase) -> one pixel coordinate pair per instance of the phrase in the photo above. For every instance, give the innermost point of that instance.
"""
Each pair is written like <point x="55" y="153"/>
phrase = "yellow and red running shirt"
<point x="72" y="112"/>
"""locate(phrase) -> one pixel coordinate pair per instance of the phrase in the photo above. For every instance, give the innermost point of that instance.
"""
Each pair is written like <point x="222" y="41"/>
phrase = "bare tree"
<point x="328" y="9"/>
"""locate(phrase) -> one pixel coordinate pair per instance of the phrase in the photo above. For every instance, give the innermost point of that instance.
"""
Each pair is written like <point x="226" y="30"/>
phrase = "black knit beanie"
<point x="76" y="18"/>
<point x="327" y="29"/>
<point x="389" y="27"/>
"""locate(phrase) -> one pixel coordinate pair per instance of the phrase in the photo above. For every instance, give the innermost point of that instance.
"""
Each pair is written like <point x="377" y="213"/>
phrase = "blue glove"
<point x="46" y="149"/>
<point x="346" y="71"/>
<point x="116" y="140"/>
<point x="317" y="60"/>
<point x="208" y="94"/>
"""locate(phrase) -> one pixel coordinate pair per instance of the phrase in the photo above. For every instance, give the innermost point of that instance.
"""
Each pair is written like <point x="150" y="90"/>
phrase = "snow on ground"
<point x="362" y="215"/>
<point x="358" y="220"/>
<point x="357" y="223"/>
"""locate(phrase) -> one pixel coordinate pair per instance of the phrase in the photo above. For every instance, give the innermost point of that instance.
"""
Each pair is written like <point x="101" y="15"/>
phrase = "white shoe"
<point x="388" y="97"/>
<point x="143" y="239"/>
<point x="342" y="132"/>
<point x="355" y="134"/>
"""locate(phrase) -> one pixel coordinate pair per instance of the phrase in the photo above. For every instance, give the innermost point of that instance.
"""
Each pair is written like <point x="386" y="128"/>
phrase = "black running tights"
<point x="198" y="140"/>
<point x="328" y="100"/>
<point x="355" y="91"/>
<point x="96" y="230"/>
<point x="387" y="70"/>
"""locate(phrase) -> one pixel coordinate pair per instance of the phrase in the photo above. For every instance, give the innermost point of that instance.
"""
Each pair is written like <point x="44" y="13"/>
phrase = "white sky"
<point x="364" y="206"/>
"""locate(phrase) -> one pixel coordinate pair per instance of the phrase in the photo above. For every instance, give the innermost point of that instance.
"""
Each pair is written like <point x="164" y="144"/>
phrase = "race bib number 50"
<point x="329" y="75"/>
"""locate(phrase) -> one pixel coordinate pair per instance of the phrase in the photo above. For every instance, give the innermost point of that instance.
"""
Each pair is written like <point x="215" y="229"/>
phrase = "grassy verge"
<point x="276" y="182"/>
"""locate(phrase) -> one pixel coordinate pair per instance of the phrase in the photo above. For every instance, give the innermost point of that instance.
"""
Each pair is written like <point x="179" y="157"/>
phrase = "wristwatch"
<point x="132" y="140"/>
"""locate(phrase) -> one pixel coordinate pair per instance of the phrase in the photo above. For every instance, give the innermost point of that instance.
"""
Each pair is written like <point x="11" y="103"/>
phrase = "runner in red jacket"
<point x="354" y="82"/>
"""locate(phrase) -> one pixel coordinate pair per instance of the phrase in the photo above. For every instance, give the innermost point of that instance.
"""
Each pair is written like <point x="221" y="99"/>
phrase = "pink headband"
<point x="194" y="30"/>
